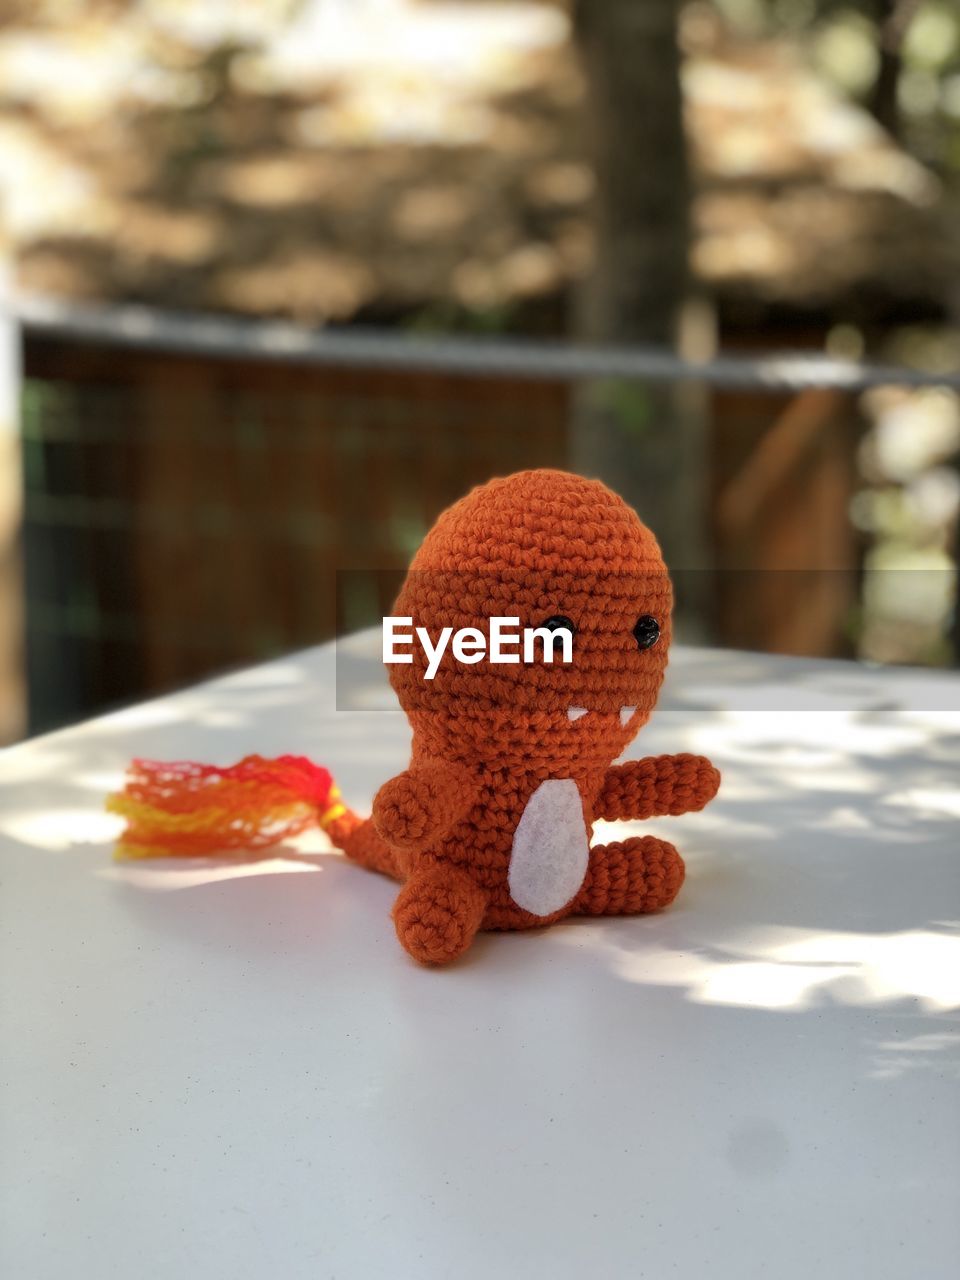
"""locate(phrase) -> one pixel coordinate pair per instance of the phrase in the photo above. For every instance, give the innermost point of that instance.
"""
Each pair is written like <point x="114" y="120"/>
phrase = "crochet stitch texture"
<point x="537" y="545"/>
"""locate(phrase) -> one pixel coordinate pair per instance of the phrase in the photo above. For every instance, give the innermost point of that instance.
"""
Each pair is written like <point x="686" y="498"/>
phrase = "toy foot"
<point x="437" y="913"/>
<point x="630" y="876"/>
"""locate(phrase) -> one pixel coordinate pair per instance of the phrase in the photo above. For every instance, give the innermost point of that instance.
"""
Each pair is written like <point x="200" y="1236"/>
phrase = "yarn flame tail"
<point x="187" y="809"/>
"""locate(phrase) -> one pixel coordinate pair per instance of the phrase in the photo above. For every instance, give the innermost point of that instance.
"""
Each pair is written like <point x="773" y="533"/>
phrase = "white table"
<point x="232" y="1070"/>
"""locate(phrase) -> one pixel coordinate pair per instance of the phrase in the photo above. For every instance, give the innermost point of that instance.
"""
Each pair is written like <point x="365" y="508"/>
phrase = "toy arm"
<point x="657" y="786"/>
<point x="420" y="805"/>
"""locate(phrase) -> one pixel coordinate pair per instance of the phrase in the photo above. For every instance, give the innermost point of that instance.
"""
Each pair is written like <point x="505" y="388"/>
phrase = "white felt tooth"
<point x="625" y="714"/>
<point x="574" y="713"/>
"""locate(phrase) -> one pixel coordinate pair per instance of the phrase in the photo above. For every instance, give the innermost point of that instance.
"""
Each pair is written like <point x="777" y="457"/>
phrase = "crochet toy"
<point x="511" y="764"/>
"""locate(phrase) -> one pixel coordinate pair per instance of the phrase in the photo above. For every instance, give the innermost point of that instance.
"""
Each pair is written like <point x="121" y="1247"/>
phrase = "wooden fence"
<point x="185" y="514"/>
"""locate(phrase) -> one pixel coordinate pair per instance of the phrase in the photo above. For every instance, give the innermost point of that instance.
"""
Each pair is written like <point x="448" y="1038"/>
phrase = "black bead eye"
<point x="559" y="623"/>
<point x="646" y="631"/>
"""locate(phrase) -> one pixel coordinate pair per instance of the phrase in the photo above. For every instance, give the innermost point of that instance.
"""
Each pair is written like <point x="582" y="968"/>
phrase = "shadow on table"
<point x="824" y="875"/>
<point x="850" y="899"/>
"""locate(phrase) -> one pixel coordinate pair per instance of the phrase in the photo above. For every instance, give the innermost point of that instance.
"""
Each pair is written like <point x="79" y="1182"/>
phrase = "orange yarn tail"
<point x="189" y="809"/>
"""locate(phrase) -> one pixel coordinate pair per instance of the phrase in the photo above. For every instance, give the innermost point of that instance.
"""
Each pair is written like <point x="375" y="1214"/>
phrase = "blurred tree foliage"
<point x="901" y="58"/>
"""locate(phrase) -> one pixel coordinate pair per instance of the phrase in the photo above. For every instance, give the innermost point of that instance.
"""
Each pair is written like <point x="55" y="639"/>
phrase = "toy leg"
<point x="438" y="911"/>
<point x="365" y="845"/>
<point x="630" y="876"/>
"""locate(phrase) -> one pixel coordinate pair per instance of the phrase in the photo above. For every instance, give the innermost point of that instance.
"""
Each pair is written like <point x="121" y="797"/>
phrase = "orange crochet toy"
<point x="490" y="825"/>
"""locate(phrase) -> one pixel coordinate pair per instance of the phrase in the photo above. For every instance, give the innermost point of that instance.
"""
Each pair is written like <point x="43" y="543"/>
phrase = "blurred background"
<point x="283" y="278"/>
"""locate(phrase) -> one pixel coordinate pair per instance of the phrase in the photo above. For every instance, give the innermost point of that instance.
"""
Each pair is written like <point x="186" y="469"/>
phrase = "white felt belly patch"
<point x="551" y="850"/>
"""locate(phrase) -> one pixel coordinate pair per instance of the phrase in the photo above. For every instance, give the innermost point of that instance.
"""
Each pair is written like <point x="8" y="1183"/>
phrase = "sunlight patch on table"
<point x="929" y="800"/>
<point x="934" y="1050"/>
<point x="786" y="968"/>
<point x="58" y="830"/>
<point x="168" y="874"/>
<point x="808" y="736"/>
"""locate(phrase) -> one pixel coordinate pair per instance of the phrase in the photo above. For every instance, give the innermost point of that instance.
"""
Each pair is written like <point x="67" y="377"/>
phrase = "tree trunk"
<point x="646" y="441"/>
<point x="893" y="18"/>
<point x="635" y="124"/>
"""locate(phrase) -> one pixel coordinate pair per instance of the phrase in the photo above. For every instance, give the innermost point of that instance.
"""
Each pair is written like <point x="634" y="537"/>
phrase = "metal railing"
<point x="194" y="482"/>
<point x="149" y="329"/>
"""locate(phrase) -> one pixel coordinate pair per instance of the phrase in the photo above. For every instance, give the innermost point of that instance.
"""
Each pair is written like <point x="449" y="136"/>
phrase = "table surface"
<point x="230" y="1068"/>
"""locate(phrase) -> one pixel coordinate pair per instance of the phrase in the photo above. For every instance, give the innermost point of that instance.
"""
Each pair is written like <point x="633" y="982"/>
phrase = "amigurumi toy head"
<point x="545" y="547"/>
